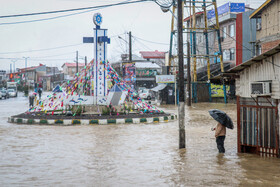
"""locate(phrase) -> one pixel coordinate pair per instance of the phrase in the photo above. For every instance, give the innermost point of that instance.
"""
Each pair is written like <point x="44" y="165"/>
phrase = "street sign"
<point x="165" y="79"/>
<point x="97" y="19"/>
<point x="88" y="40"/>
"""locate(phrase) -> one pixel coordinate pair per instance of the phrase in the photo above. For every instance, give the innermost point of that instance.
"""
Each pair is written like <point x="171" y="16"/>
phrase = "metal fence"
<point x="258" y="126"/>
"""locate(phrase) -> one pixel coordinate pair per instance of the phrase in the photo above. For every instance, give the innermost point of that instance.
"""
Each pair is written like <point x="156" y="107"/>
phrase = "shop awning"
<point x="159" y="87"/>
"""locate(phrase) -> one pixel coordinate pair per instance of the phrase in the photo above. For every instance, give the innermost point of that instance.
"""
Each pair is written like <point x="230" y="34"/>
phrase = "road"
<point x="127" y="155"/>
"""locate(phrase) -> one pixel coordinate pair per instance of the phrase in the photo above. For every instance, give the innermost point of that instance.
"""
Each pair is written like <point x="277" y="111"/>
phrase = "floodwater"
<point x="127" y="155"/>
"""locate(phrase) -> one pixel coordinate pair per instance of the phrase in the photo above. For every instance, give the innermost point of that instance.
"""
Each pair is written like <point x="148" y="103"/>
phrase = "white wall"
<point x="260" y="71"/>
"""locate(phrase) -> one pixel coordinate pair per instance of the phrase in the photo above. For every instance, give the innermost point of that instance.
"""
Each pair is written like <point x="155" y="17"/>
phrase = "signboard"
<point x="218" y="90"/>
<point x="129" y="74"/>
<point x="221" y="10"/>
<point x="165" y="79"/>
<point x="146" y="72"/>
<point x="237" y="7"/>
<point x="228" y="7"/>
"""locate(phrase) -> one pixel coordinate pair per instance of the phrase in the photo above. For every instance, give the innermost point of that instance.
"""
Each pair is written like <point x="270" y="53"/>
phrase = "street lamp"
<point x="25" y="68"/>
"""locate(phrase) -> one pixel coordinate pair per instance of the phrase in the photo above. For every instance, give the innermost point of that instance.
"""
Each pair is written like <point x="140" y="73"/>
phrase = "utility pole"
<point x="189" y="74"/>
<point x="77" y="69"/>
<point x="85" y="60"/>
<point x="130" y="47"/>
<point x="181" y="106"/>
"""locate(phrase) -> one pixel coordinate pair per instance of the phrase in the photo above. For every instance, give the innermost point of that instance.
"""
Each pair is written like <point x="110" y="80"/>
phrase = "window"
<point x="224" y="32"/>
<point x="231" y="30"/>
<point x="226" y="55"/>
<point x="232" y="53"/>
<point x="258" y="50"/>
<point x="73" y="70"/>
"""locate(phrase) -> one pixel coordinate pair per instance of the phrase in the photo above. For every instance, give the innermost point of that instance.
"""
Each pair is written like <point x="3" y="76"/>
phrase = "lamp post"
<point x="25" y="68"/>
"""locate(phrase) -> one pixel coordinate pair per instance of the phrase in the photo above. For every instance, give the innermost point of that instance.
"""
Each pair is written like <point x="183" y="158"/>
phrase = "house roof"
<point x="30" y="68"/>
<point x="197" y="14"/>
<point x="72" y="64"/>
<point x="146" y="65"/>
<point x="261" y="8"/>
<point x="153" y="54"/>
<point x="241" y="67"/>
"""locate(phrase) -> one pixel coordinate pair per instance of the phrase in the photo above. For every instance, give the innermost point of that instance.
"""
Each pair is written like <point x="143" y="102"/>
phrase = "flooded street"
<point x="127" y="155"/>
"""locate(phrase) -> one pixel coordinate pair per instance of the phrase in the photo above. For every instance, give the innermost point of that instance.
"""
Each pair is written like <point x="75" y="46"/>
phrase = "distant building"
<point x="2" y="75"/>
<point x="69" y="69"/>
<point x="237" y="33"/>
<point x="155" y="56"/>
<point x="267" y="25"/>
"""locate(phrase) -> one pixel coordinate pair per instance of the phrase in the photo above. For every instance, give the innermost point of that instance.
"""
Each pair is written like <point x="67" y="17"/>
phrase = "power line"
<point x="4" y="53"/>
<point x="150" y="41"/>
<point x="74" y="9"/>
<point x="51" y="18"/>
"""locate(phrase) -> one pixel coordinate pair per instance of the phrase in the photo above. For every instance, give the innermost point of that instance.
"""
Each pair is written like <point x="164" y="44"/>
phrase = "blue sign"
<point x="87" y="39"/>
<point x="221" y="10"/>
<point x="237" y="7"/>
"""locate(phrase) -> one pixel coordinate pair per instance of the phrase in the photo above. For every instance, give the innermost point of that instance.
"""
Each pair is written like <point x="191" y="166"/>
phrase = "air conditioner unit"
<point x="259" y="26"/>
<point x="261" y="88"/>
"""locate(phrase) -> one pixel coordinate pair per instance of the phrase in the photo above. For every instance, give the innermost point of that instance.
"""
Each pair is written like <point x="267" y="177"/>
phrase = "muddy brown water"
<point x="127" y="155"/>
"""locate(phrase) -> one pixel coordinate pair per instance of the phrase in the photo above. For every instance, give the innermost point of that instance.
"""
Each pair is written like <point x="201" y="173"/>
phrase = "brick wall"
<point x="269" y="45"/>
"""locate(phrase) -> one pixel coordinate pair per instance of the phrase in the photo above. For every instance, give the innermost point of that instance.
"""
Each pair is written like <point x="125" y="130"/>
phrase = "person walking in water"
<point x="220" y="134"/>
<point x="40" y="93"/>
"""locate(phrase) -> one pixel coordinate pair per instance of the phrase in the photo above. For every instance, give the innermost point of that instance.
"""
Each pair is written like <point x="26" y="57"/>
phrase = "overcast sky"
<point x="62" y="37"/>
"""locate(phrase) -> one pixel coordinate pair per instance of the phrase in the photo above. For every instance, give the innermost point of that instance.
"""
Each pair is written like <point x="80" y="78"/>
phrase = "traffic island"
<point x="90" y="119"/>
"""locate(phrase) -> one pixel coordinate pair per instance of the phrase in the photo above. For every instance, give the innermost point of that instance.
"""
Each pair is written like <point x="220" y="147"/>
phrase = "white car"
<point x="12" y="93"/>
<point x="145" y="94"/>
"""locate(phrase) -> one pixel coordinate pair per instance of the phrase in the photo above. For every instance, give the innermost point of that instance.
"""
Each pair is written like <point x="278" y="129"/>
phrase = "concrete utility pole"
<point x="181" y="106"/>
<point x="77" y="69"/>
<point x="130" y="47"/>
<point x="189" y="75"/>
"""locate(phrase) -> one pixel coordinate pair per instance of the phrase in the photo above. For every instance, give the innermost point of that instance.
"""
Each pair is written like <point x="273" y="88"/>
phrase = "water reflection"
<point x="127" y="155"/>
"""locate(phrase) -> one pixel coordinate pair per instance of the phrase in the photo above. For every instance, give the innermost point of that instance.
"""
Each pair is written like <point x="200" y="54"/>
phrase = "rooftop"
<point x="73" y="64"/>
<point x="153" y="54"/>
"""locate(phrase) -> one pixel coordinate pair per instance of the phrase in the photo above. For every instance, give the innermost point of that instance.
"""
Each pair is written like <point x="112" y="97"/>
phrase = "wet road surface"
<point x="127" y="155"/>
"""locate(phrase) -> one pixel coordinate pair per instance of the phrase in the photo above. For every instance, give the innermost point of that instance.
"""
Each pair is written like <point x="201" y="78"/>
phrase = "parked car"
<point x="145" y="94"/>
<point x="4" y="94"/>
<point x="12" y="93"/>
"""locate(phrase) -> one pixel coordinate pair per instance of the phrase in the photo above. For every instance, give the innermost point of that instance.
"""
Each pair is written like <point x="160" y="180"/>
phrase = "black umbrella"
<point x="221" y="117"/>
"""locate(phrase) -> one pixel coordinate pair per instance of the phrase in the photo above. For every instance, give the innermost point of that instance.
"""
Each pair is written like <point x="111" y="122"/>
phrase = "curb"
<point x="70" y="122"/>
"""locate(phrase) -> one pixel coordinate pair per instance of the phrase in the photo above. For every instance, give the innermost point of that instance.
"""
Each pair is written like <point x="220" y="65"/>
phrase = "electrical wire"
<point x="4" y="53"/>
<point x="74" y="9"/>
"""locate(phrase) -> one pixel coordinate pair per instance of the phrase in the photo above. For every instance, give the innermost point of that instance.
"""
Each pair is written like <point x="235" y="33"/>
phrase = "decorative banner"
<point x="165" y="79"/>
<point x="129" y="74"/>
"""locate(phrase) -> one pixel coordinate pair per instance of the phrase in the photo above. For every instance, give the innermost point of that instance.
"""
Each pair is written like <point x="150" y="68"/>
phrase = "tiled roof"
<point x="30" y="68"/>
<point x="188" y="18"/>
<point x="153" y="54"/>
<point x="73" y="64"/>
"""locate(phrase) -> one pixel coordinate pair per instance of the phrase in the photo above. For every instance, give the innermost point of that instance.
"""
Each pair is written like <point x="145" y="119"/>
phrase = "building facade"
<point x="70" y="69"/>
<point x="268" y="25"/>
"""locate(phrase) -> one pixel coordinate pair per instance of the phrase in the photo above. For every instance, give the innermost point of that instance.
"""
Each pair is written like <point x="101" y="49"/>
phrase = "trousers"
<point x="220" y="143"/>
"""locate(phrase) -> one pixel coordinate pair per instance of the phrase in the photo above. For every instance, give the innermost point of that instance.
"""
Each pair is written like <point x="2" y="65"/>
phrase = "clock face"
<point x="97" y="19"/>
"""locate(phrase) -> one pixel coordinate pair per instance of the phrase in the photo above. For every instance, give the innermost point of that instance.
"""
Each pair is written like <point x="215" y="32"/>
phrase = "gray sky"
<point x="145" y="21"/>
